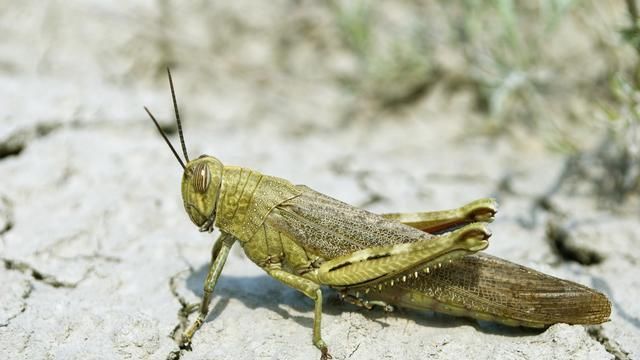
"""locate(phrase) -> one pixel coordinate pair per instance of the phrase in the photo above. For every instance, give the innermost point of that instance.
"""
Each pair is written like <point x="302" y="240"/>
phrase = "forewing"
<point x="487" y="285"/>
<point x="330" y="228"/>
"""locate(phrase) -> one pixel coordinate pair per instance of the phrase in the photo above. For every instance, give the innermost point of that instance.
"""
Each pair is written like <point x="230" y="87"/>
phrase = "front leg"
<point x="218" y="258"/>
<point x="311" y="290"/>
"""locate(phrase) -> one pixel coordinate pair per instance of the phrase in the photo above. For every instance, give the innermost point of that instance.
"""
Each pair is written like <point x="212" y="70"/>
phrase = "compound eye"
<point x="201" y="177"/>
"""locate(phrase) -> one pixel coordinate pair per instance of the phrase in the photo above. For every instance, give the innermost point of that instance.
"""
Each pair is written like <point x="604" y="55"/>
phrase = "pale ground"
<point x="92" y="228"/>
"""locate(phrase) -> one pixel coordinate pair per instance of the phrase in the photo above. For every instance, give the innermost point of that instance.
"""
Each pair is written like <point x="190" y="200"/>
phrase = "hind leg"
<point x="434" y="222"/>
<point x="374" y="265"/>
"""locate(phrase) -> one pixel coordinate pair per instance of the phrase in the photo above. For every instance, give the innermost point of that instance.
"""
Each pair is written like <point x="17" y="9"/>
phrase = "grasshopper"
<point x="424" y="260"/>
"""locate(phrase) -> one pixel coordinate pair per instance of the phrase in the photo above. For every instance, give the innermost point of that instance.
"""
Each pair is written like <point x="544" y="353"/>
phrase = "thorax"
<point x="246" y="199"/>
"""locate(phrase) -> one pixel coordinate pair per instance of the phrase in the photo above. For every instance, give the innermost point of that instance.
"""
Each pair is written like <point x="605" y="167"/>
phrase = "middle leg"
<point x="311" y="290"/>
<point x="356" y="299"/>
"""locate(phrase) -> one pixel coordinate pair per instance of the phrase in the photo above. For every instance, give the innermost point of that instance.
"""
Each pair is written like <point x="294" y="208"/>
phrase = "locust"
<point x="422" y="260"/>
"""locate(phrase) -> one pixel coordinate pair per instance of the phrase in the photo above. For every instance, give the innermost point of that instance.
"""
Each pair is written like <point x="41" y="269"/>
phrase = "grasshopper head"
<point x="200" y="189"/>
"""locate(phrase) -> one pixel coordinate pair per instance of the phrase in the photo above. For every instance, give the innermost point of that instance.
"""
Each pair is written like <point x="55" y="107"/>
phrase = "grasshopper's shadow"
<point x="262" y="291"/>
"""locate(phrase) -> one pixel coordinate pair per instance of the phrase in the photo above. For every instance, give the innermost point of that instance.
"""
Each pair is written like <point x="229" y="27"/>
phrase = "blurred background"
<point x="388" y="105"/>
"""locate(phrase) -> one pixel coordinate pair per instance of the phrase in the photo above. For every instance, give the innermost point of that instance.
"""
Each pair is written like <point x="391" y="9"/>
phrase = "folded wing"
<point x="489" y="288"/>
<point x="330" y="228"/>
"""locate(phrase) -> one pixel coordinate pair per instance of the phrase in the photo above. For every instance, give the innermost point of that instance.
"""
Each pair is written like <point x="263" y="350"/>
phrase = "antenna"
<point x="175" y="108"/>
<point x="165" y="137"/>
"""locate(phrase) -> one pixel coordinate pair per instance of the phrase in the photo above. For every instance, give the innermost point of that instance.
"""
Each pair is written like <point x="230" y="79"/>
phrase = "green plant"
<point x="394" y="65"/>
<point x="504" y="46"/>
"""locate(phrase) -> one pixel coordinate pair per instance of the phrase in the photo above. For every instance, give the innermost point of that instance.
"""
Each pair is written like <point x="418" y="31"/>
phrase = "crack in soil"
<point x="596" y="332"/>
<point x="40" y="276"/>
<point x="562" y="243"/>
<point x="373" y="197"/>
<point x="95" y="255"/>
<point x="23" y="307"/>
<point x="341" y="167"/>
<point x="174" y="355"/>
<point x="185" y="310"/>
<point x="6" y="215"/>
<point x="353" y="351"/>
<point x="17" y="141"/>
<point x="558" y="234"/>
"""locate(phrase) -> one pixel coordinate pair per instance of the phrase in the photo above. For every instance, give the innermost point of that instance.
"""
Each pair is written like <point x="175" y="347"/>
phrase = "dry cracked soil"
<point x="99" y="260"/>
